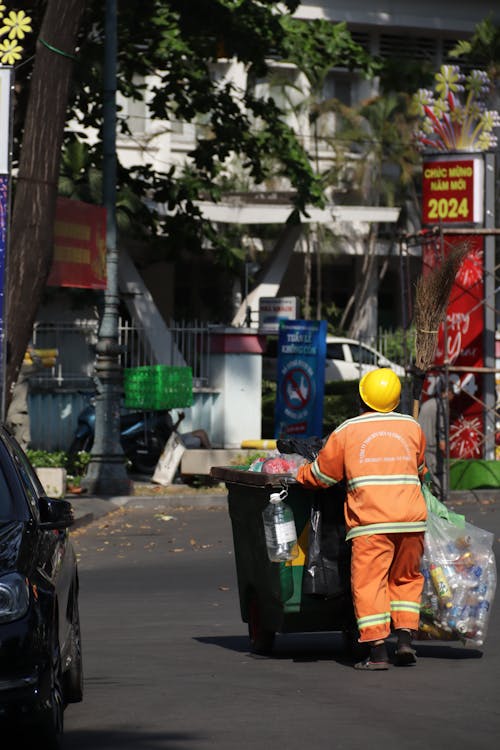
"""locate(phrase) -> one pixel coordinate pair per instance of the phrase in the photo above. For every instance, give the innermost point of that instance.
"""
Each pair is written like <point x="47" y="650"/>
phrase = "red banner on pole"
<point x="79" y="245"/>
<point x="460" y="341"/>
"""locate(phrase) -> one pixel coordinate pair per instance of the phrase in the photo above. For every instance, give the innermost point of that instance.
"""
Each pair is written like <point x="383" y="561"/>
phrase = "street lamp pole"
<point x="106" y="472"/>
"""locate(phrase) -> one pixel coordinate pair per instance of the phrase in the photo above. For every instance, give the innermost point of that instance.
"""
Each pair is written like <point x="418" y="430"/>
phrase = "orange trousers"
<point x="386" y="582"/>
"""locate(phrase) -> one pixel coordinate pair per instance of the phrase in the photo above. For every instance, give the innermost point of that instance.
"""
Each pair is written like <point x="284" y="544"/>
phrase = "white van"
<point x="346" y="359"/>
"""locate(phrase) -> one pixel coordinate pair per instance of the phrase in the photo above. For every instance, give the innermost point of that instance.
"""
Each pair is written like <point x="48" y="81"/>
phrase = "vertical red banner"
<point x="453" y="194"/>
<point x="79" y="245"/>
<point x="460" y="342"/>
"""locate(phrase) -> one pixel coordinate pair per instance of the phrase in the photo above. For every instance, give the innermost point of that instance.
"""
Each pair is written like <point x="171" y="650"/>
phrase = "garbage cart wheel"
<point x="261" y="640"/>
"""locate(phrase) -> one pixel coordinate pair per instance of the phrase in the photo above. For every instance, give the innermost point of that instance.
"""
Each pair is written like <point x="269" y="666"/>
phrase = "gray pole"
<point x="489" y="385"/>
<point x="106" y="473"/>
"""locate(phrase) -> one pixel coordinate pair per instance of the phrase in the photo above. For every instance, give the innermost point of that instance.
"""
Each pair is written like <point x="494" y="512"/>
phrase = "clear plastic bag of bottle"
<point x="460" y="581"/>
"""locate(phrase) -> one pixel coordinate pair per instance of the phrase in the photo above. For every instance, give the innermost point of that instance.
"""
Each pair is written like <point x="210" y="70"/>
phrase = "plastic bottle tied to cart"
<point x="279" y="529"/>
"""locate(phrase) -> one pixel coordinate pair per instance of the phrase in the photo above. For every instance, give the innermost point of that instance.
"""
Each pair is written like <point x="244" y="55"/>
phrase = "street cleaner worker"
<point x="380" y="454"/>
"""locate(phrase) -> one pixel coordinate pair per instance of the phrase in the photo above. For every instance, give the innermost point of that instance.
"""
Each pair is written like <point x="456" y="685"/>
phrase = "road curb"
<point x="83" y="520"/>
<point x="182" y="501"/>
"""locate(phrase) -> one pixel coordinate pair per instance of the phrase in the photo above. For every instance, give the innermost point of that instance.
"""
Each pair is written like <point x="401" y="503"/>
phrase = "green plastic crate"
<point x="158" y="387"/>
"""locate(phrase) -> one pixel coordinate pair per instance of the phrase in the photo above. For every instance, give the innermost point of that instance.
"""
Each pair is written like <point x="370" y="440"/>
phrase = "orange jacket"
<point x="381" y="457"/>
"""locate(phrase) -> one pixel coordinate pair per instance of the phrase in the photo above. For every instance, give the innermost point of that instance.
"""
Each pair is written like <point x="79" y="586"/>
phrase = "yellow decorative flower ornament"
<point x="10" y="51"/>
<point x="16" y="25"/>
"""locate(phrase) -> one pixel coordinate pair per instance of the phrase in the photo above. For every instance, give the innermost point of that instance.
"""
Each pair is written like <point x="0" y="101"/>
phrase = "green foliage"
<point x="79" y="463"/>
<point x="46" y="459"/>
<point x="59" y="460"/>
<point x="482" y="49"/>
<point x="399" y="345"/>
<point x="406" y="75"/>
<point x="318" y="46"/>
<point x="174" y="45"/>
<point x="341" y="402"/>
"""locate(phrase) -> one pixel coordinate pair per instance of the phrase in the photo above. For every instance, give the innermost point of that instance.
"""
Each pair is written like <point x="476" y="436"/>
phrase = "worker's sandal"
<point x="372" y="666"/>
<point x="377" y="660"/>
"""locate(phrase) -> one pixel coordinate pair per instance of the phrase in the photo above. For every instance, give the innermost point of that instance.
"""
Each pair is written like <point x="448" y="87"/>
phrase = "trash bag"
<point x="278" y="463"/>
<point x="440" y="509"/>
<point x="307" y="447"/>
<point x="460" y="578"/>
<point x="328" y="560"/>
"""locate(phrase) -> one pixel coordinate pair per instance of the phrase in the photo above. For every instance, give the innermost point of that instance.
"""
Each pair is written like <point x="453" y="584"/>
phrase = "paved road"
<point x="167" y="665"/>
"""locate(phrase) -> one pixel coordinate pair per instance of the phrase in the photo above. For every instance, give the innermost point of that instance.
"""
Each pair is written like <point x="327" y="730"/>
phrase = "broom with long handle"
<point x="432" y="293"/>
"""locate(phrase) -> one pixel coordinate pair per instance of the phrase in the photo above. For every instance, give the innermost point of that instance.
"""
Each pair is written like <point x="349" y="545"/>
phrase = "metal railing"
<point x="76" y="346"/>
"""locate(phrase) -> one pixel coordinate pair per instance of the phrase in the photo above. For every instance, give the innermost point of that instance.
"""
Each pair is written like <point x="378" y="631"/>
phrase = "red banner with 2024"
<point x="460" y="341"/>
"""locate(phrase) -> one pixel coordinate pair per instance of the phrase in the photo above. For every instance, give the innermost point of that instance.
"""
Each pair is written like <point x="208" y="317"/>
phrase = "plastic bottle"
<point x="457" y="615"/>
<point x="463" y="542"/>
<point x="441" y="585"/>
<point x="279" y="529"/>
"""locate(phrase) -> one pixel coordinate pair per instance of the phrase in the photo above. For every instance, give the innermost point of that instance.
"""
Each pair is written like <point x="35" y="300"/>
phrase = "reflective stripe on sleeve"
<point x="324" y="478"/>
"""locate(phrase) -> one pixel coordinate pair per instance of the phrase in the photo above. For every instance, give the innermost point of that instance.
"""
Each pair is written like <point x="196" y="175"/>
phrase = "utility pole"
<point x="106" y="473"/>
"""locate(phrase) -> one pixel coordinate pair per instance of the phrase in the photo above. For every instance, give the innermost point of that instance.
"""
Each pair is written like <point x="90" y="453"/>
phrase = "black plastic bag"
<point x="327" y="569"/>
<point x="306" y="447"/>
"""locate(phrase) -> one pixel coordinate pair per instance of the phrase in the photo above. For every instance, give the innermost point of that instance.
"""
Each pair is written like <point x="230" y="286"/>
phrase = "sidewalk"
<point x="89" y="508"/>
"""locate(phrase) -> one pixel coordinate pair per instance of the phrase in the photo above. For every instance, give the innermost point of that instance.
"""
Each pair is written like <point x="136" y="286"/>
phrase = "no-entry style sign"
<point x="301" y="378"/>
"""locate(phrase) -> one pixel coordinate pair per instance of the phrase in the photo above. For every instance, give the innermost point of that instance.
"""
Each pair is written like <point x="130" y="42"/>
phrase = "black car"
<point x="40" y="644"/>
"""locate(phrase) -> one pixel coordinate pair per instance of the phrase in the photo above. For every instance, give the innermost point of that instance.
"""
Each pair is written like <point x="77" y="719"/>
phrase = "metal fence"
<point x="76" y="346"/>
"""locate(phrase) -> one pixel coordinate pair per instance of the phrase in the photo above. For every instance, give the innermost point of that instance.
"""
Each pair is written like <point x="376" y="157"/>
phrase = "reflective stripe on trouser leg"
<point x="370" y="562"/>
<point x="406" y="581"/>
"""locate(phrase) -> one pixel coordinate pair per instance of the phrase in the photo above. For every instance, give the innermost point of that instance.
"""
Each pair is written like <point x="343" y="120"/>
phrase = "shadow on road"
<point x="237" y="643"/>
<point x="311" y="647"/>
<point x="446" y="651"/>
<point x="297" y="647"/>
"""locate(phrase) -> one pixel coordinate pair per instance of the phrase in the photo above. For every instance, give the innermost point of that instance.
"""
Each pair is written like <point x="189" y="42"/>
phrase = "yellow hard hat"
<point x="380" y="389"/>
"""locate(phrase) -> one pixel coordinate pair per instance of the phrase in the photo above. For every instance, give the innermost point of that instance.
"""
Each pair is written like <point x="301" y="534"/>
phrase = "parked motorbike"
<point x="142" y="435"/>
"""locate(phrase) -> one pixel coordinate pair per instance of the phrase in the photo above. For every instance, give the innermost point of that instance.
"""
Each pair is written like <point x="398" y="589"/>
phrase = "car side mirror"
<point x="55" y="513"/>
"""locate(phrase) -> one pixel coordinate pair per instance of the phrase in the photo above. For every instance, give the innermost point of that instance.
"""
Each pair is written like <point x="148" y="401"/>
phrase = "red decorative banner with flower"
<point x="460" y="342"/>
<point x="454" y="126"/>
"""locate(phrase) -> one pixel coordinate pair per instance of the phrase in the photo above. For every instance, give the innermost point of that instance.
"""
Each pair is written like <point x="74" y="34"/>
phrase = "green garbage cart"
<point x="274" y="597"/>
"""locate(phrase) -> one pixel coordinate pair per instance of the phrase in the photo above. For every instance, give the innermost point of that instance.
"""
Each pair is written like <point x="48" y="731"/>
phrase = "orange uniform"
<point x="381" y="457"/>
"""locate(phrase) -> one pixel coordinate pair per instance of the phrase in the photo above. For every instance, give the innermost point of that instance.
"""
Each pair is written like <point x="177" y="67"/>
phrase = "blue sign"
<point x="301" y="378"/>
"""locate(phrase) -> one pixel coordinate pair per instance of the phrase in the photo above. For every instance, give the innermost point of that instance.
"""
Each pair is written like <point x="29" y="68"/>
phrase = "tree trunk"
<point x="363" y="301"/>
<point x="32" y="225"/>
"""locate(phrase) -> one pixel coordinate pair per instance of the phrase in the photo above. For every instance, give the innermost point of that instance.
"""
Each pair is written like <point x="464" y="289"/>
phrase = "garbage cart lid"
<point x="250" y="478"/>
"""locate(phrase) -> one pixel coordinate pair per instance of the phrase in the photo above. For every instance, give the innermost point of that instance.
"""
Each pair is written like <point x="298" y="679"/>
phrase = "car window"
<point x="363" y="355"/>
<point x="8" y="511"/>
<point x="335" y="351"/>
<point x="29" y="479"/>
